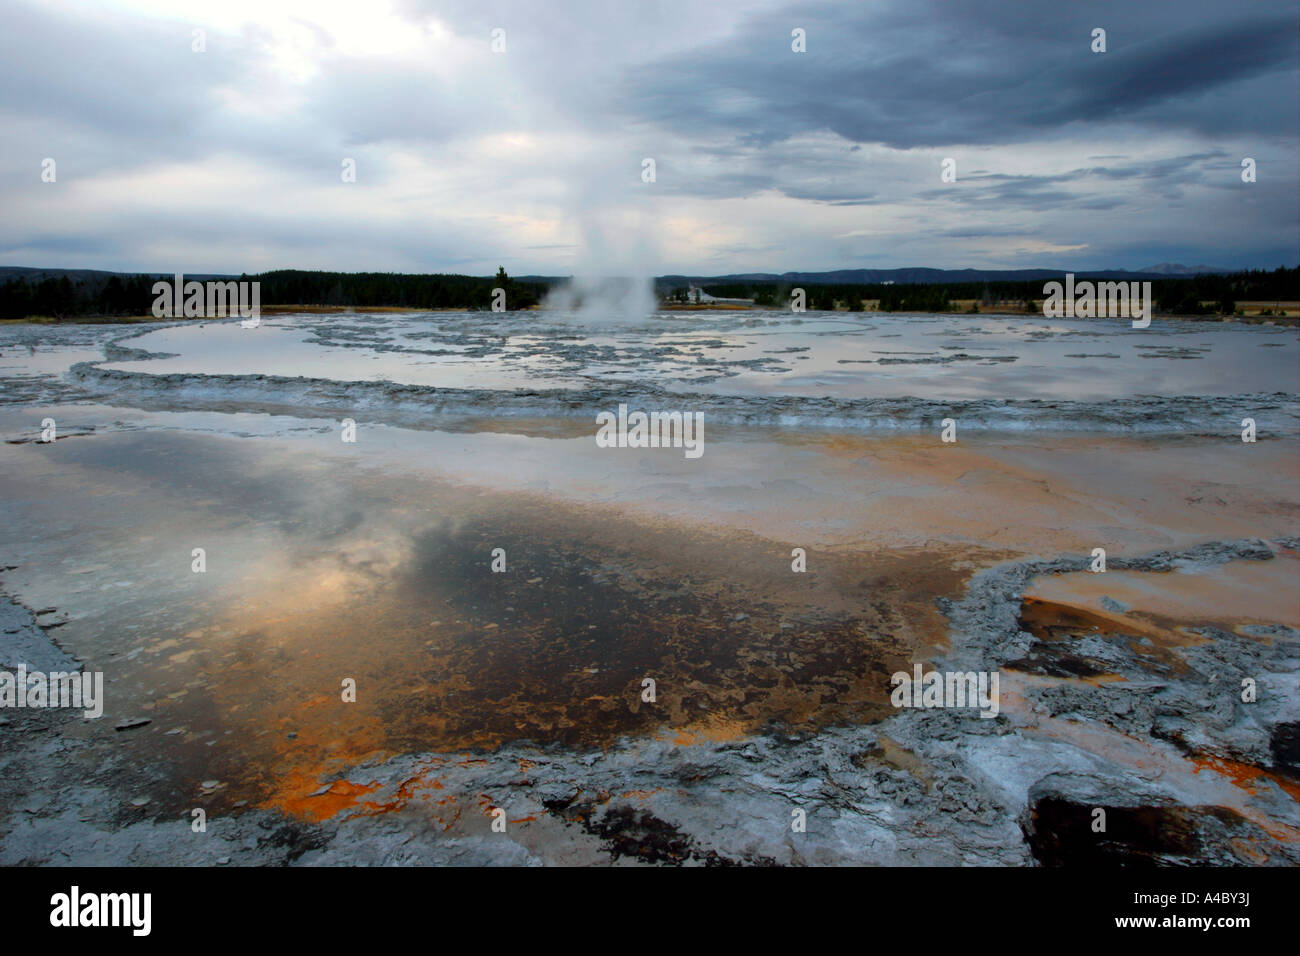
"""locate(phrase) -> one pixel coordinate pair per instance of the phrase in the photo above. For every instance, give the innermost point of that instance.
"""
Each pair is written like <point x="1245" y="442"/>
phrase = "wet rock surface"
<point x="1075" y="820"/>
<point x="25" y="644"/>
<point x="669" y="362"/>
<point x="939" y="786"/>
<point x="410" y="405"/>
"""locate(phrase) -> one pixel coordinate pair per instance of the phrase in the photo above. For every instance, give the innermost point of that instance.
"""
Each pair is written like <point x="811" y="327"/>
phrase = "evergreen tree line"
<point x="294" y="287"/>
<point x="69" y="297"/>
<point x="64" y="297"/>
<point x="1181" y="296"/>
<point x="117" y="295"/>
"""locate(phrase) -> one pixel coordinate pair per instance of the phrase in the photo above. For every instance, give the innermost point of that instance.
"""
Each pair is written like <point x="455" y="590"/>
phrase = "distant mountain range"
<point x="1178" y="269"/>
<point x="917" y="276"/>
<point x="922" y="276"/>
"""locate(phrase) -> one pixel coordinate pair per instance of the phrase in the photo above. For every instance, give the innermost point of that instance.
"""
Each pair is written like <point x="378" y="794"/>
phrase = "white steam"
<point x="618" y="258"/>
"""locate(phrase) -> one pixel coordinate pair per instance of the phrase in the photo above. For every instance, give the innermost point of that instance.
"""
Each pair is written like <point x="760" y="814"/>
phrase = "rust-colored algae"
<point x="341" y="795"/>
<point x="592" y="605"/>
<point x="1246" y="776"/>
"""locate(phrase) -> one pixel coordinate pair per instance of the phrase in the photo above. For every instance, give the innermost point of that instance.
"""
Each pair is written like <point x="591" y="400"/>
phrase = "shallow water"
<point x="329" y="560"/>
<point x="754" y="354"/>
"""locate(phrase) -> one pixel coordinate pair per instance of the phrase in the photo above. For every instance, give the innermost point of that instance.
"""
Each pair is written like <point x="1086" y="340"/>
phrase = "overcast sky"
<point x="230" y="159"/>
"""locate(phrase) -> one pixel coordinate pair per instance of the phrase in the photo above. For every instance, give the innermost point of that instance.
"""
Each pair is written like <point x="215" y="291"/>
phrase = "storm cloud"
<point x="229" y="159"/>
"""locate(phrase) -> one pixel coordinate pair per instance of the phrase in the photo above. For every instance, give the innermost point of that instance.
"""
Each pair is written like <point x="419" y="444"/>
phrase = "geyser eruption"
<point x="609" y="299"/>
<point x="613" y="282"/>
